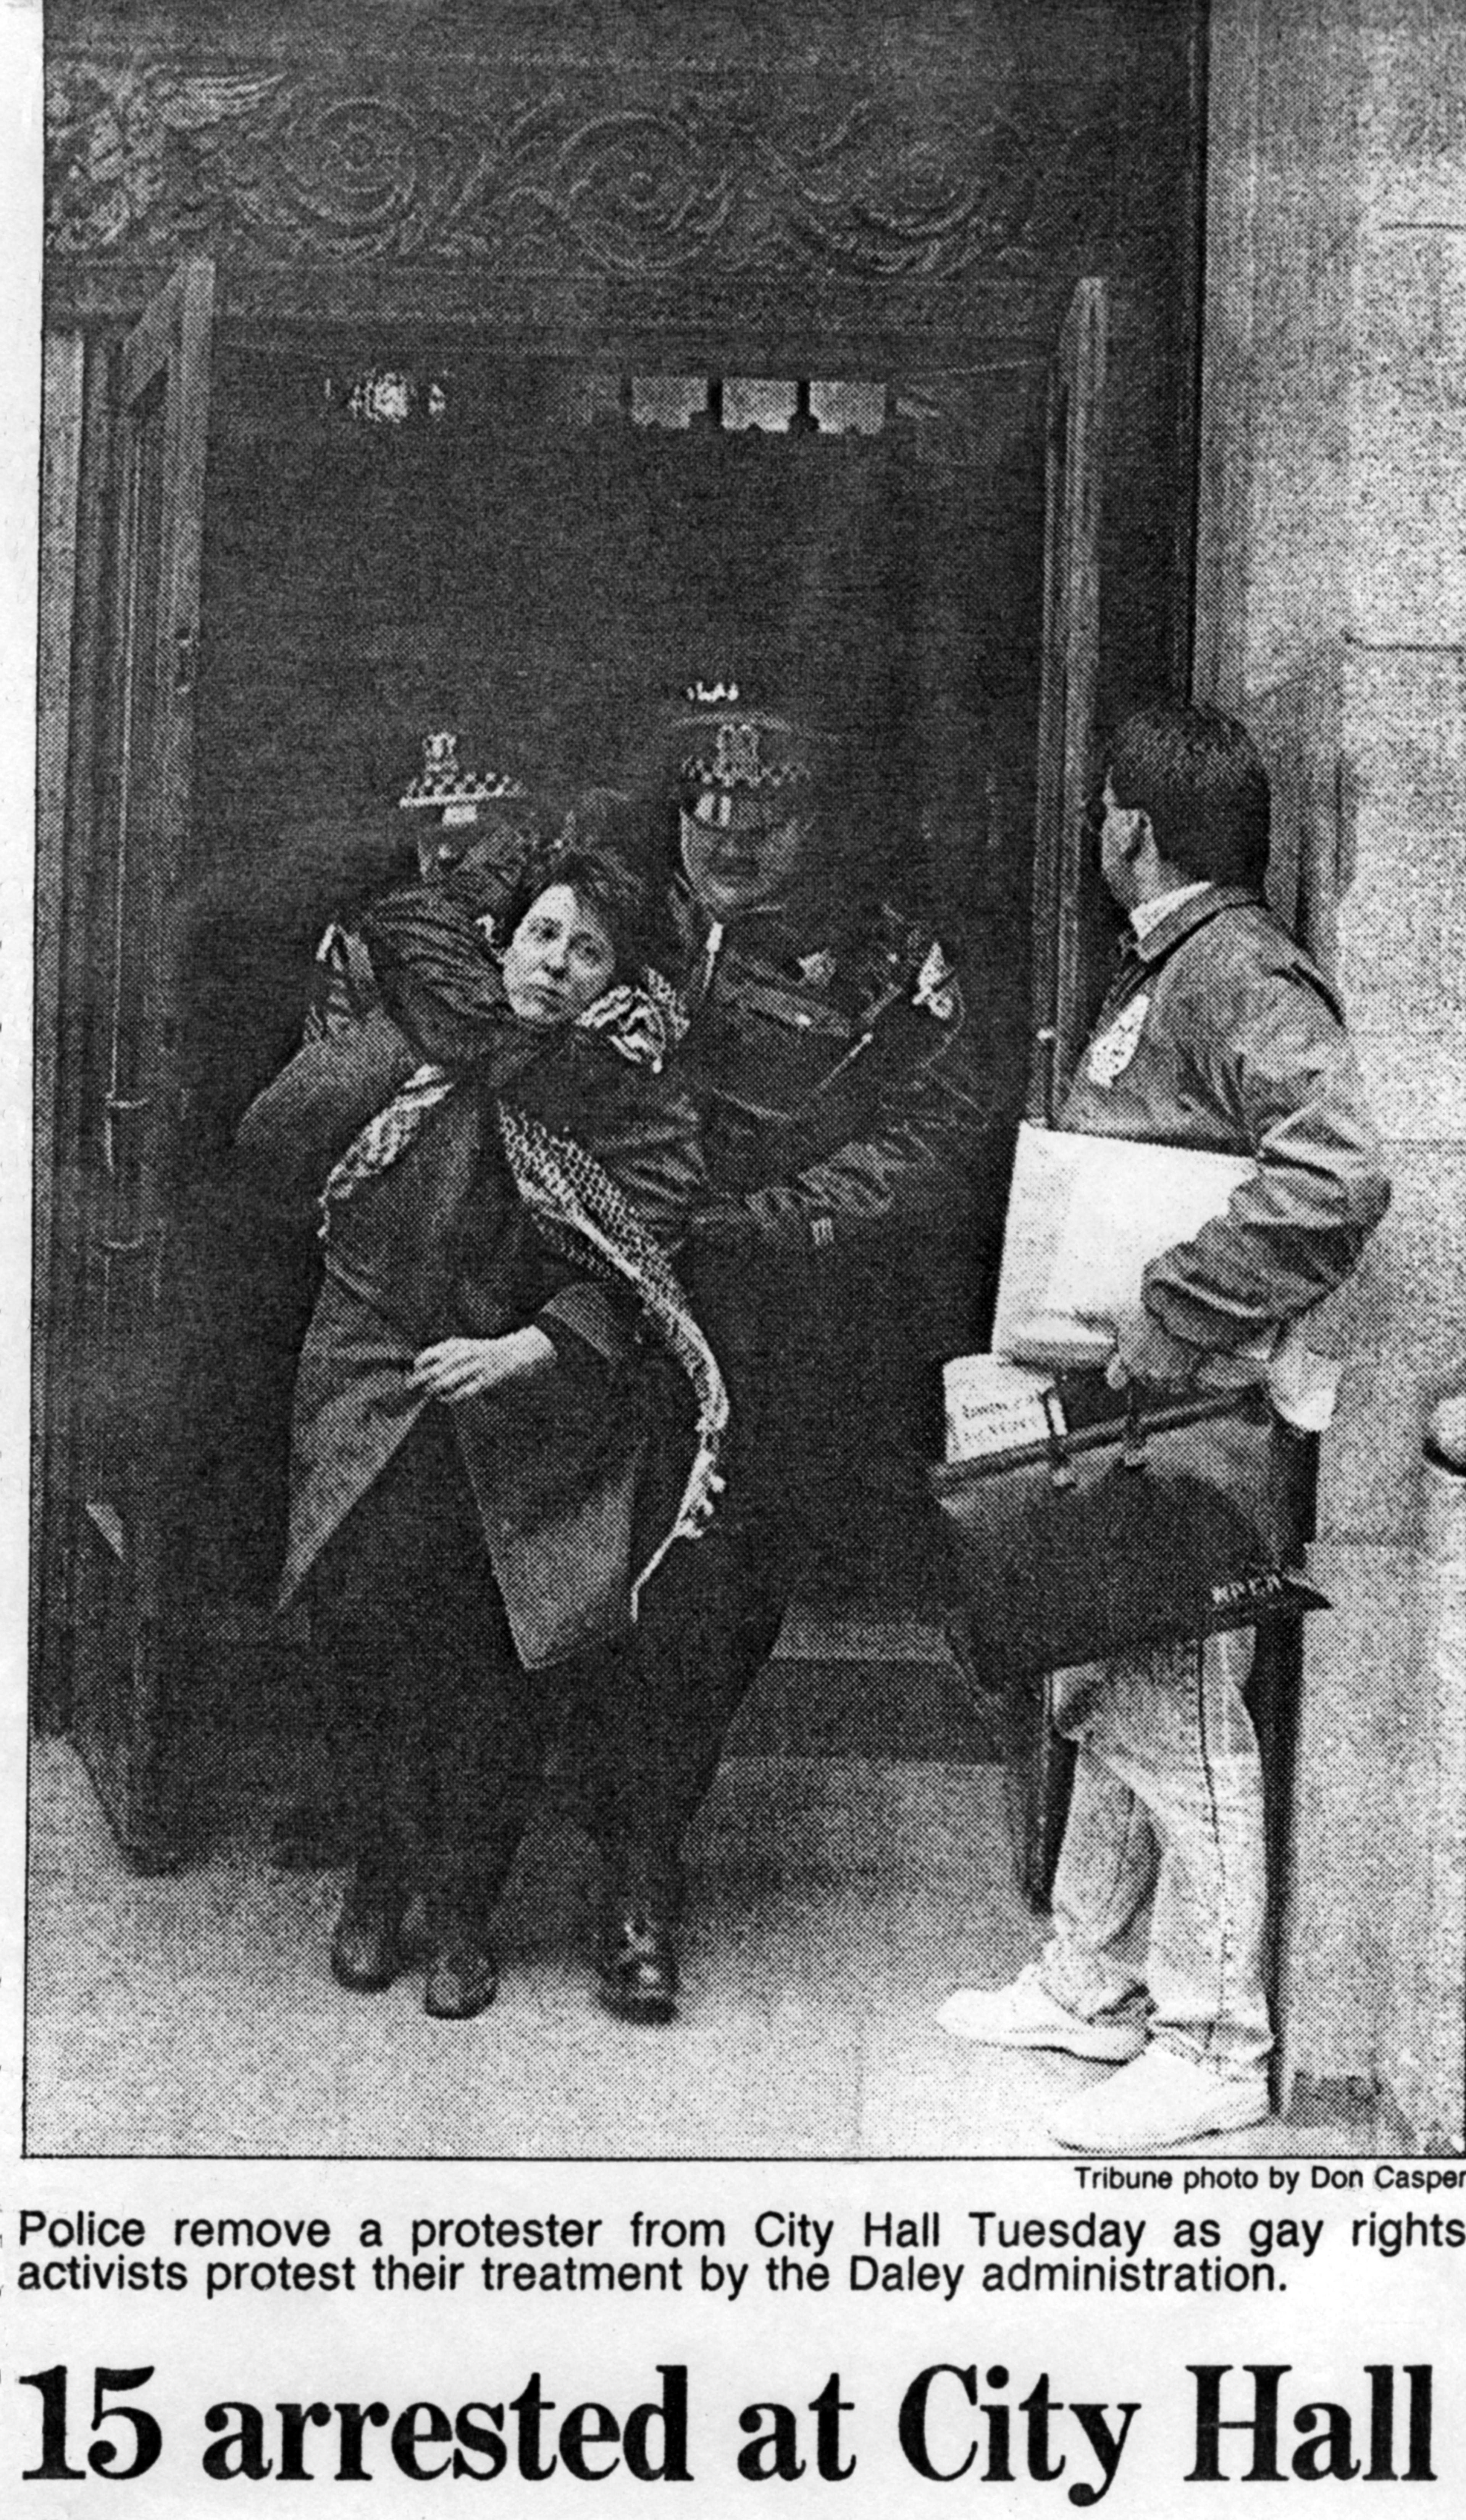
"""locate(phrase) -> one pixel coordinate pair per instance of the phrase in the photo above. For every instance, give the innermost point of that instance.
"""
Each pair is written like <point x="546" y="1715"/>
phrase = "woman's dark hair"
<point x="606" y="818"/>
<point x="1197" y="775"/>
<point x="603" y="884"/>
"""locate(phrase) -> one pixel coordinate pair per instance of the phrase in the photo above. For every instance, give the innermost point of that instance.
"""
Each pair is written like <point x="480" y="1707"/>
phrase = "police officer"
<point x="471" y="832"/>
<point x="471" y="828"/>
<point x="848" y="1114"/>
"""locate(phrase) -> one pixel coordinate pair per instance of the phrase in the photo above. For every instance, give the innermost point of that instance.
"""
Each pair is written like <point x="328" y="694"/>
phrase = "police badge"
<point x="1112" y="1051"/>
<point x="931" y="990"/>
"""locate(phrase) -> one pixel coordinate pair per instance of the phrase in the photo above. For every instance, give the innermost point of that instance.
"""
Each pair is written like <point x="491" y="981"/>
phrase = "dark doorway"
<point x="417" y="534"/>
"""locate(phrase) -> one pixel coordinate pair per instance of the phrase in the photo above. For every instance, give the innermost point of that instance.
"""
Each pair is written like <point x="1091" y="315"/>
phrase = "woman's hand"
<point x="466" y="1369"/>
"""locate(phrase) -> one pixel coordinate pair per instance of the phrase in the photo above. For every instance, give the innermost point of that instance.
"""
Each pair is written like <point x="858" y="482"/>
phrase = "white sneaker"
<point x="1160" y="2100"/>
<point x="1026" y="2015"/>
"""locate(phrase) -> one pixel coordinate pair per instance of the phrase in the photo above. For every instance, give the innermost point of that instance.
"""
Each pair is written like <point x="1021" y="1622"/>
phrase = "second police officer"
<point x="850" y="1121"/>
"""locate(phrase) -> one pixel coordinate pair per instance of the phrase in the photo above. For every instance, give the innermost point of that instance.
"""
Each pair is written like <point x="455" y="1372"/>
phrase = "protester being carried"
<point x="476" y="1386"/>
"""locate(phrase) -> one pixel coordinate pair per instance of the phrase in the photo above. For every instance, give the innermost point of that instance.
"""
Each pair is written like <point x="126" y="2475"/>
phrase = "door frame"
<point x="110" y="1128"/>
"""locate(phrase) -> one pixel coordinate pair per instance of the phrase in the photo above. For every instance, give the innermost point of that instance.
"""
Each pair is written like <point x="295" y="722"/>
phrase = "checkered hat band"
<point x="741" y="757"/>
<point x="699" y="772"/>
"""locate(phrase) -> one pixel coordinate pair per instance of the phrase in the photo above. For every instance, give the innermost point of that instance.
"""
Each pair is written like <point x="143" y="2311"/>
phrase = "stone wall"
<point x="1333" y="602"/>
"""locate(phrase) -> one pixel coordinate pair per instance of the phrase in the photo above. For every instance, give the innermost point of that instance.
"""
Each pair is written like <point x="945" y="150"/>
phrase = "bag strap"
<point x="1060" y="1467"/>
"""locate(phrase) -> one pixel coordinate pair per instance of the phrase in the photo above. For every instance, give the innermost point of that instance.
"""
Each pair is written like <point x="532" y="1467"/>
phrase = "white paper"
<point x="993" y="1406"/>
<point x="1086" y="1215"/>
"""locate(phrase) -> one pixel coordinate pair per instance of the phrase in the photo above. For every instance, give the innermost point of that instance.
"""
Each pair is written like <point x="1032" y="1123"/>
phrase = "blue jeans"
<point x="1166" y="1820"/>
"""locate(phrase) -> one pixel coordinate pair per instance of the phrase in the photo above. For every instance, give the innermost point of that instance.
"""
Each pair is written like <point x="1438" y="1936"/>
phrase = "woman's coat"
<point x="439" y="1245"/>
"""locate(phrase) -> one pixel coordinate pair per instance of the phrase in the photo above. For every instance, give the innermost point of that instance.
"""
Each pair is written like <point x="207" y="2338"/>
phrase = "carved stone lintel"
<point x="585" y="179"/>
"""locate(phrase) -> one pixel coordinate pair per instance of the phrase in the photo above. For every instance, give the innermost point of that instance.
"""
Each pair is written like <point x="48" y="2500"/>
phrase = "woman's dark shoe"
<point x="637" y="1959"/>
<point x="366" y="1948"/>
<point x="463" y="1975"/>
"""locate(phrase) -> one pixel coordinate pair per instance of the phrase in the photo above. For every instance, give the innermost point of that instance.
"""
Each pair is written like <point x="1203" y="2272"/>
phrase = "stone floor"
<point x="836" y="1902"/>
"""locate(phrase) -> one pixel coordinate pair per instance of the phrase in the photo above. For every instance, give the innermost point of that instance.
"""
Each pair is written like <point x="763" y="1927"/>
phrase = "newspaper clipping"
<point x="735" y="1474"/>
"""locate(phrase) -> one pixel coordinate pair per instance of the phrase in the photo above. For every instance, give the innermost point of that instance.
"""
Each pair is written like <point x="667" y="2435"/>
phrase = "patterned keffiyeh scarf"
<point x="643" y="1023"/>
<point x="588" y="1217"/>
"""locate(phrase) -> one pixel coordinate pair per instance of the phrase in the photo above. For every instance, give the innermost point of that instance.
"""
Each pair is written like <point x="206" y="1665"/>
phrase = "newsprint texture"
<point x="734" y="1066"/>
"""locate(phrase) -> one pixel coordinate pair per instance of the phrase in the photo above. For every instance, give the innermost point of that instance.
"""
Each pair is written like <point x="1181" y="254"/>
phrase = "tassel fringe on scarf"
<point x="580" y="1209"/>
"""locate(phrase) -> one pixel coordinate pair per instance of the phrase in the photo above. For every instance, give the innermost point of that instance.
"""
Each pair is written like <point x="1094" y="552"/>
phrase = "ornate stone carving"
<point x="578" y="179"/>
<point x="118" y="148"/>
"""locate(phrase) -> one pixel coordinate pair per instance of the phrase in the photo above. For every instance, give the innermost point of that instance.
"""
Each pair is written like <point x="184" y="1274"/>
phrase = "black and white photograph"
<point x="748" y="1090"/>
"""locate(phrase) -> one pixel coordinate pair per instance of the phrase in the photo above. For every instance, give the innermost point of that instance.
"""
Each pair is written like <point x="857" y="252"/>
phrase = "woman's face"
<point x="559" y="961"/>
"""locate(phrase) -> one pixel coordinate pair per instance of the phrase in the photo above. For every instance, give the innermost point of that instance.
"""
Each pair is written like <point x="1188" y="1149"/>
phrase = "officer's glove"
<point x="780" y="1220"/>
<point x="724" y="1226"/>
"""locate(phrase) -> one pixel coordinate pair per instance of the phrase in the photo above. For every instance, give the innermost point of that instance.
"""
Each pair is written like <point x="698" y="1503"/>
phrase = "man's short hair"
<point x="1197" y="775"/>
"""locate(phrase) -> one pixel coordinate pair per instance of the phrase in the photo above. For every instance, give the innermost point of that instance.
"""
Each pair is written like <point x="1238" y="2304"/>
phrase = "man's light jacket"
<point x="1219" y="1033"/>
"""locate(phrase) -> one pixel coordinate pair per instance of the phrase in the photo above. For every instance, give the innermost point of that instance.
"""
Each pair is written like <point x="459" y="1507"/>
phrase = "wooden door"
<point x="1039" y="1764"/>
<point x="129" y="1602"/>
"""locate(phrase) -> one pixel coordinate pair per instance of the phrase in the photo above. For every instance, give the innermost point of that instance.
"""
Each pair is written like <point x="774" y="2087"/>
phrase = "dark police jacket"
<point x="846" y="1095"/>
<point x="848" y="1128"/>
